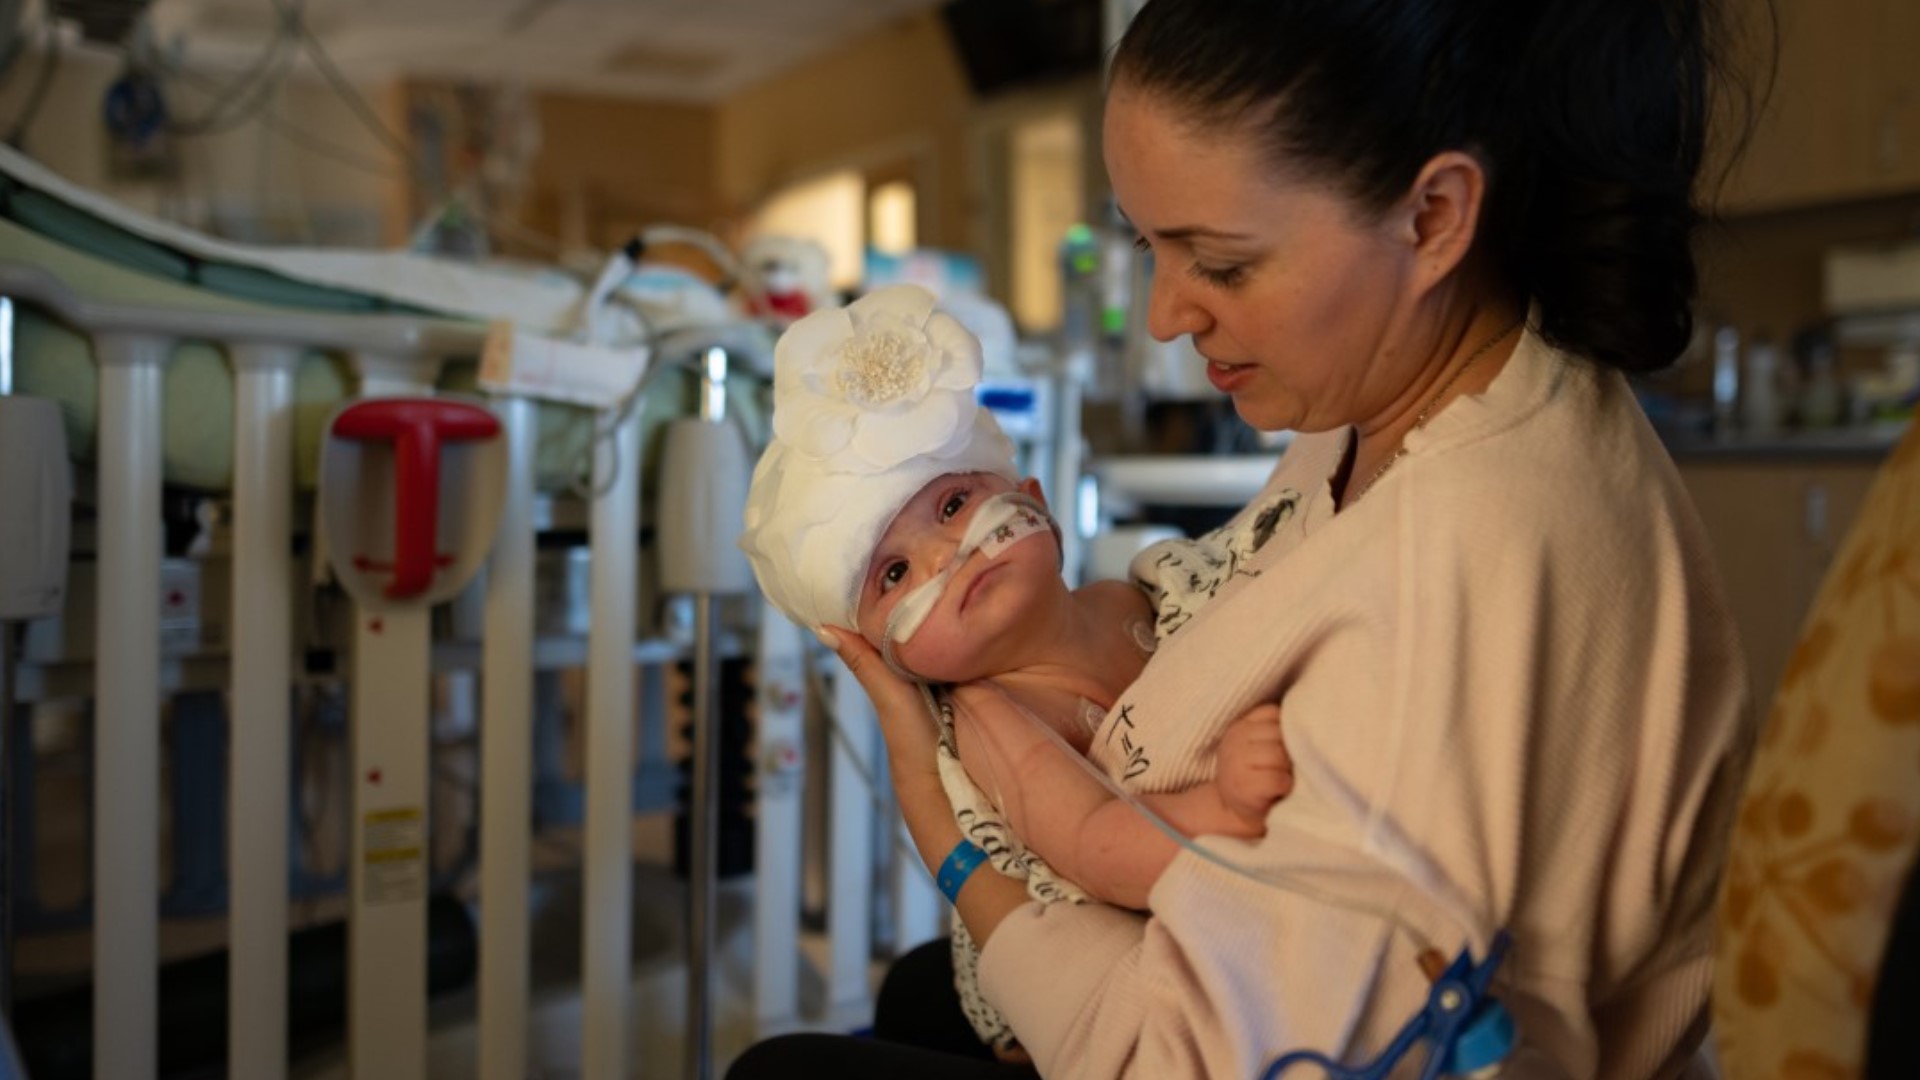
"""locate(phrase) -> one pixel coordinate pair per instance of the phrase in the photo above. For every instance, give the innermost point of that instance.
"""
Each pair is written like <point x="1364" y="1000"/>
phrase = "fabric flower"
<point x="868" y="386"/>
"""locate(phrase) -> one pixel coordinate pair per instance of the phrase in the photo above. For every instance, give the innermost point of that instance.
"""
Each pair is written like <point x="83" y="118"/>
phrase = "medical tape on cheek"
<point x="1002" y="521"/>
<point x="1016" y="520"/>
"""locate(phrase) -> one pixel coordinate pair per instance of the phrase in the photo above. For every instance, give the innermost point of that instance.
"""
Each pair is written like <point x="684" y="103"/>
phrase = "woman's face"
<point x="1292" y="296"/>
<point x="981" y="617"/>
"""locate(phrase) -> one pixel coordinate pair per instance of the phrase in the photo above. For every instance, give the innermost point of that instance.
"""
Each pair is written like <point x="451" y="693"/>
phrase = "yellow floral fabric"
<point x="1831" y="818"/>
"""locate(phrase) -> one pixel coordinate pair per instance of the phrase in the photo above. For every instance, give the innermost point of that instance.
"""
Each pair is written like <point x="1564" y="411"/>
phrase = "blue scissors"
<point x="1471" y="1033"/>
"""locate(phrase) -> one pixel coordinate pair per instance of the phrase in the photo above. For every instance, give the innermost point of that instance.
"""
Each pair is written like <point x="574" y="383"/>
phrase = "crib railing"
<point x="398" y="353"/>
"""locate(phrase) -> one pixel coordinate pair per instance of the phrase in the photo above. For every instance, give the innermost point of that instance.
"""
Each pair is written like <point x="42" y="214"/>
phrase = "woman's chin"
<point x="1264" y="414"/>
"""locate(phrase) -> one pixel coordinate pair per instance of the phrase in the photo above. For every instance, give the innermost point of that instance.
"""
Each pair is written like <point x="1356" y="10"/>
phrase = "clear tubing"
<point x="1397" y="851"/>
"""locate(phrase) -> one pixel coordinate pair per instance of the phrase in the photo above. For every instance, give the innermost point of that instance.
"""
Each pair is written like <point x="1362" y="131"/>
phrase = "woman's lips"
<point x="1228" y="378"/>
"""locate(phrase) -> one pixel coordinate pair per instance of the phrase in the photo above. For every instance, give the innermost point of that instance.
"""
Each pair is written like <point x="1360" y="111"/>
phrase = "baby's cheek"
<point x="936" y="653"/>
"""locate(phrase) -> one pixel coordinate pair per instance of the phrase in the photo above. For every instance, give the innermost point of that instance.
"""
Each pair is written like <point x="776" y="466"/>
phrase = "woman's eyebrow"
<point x="1190" y="232"/>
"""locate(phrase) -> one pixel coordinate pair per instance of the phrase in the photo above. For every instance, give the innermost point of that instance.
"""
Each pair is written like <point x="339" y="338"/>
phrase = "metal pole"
<point x="703" y="808"/>
<point x="7" y="638"/>
<point x="704" y="793"/>
<point x="6" y="726"/>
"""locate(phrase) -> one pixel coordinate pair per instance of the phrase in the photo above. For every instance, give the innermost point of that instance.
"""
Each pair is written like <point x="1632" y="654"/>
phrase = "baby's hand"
<point x="1253" y="770"/>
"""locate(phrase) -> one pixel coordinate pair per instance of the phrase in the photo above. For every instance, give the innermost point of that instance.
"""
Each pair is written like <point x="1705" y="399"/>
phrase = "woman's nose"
<point x="1170" y="311"/>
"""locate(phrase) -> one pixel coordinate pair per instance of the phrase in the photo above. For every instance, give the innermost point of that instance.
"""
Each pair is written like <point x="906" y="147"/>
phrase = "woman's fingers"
<point x="902" y="711"/>
<point x="886" y="688"/>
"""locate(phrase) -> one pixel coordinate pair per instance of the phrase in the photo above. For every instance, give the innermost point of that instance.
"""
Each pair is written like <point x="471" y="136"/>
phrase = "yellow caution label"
<point x="393" y="855"/>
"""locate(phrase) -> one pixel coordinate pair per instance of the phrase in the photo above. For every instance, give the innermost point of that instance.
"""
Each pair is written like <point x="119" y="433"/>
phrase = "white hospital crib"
<point x="134" y="325"/>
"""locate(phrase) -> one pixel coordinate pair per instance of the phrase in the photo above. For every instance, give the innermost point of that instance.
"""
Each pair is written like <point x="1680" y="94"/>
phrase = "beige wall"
<point x="893" y="104"/>
<point x="1764" y="271"/>
<point x="607" y="167"/>
<point x="897" y="95"/>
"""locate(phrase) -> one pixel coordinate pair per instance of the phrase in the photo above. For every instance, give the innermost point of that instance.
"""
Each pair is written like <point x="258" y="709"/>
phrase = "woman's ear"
<point x="1031" y="487"/>
<point x="1442" y="214"/>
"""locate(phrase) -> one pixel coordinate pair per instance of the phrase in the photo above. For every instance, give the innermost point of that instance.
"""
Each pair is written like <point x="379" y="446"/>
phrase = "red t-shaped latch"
<point x="416" y="427"/>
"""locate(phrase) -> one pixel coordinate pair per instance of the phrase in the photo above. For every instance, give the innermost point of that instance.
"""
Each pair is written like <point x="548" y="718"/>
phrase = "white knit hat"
<point x="870" y="403"/>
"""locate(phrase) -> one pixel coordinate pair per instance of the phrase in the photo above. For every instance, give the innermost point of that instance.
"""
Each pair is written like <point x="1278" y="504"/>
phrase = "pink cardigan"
<point x="1513" y="698"/>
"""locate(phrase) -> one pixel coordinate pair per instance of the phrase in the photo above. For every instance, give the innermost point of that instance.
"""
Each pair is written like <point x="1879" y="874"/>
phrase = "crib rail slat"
<point x="126" y="857"/>
<point x="607" y="963"/>
<point x="506" y="731"/>
<point x="387" y="932"/>
<point x="261" y="718"/>
<point x="850" y="877"/>
<point x="778" y="820"/>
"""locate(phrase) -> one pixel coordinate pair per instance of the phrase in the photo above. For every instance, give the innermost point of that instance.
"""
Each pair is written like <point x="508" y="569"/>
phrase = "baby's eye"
<point x="954" y="504"/>
<point x="894" y="573"/>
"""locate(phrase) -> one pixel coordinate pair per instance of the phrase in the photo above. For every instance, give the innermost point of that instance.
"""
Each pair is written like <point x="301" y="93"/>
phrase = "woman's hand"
<point x="912" y="741"/>
<point x="912" y="735"/>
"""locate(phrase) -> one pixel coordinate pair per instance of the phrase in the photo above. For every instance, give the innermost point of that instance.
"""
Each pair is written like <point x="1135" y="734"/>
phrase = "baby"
<point x="888" y="504"/>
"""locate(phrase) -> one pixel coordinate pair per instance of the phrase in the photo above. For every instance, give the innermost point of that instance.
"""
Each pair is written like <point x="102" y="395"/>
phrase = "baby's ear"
<point x="1031" y="487"/>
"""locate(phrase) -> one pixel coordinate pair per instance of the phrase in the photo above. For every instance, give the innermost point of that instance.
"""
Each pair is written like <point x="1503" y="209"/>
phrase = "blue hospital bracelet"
<point x="961" y="862"/>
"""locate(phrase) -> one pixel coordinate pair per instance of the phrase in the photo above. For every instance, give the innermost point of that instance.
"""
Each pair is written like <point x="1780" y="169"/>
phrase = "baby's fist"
<point x="1253" y="770"/>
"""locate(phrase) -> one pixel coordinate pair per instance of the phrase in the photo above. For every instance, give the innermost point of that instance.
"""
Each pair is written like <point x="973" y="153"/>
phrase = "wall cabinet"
<point x="1843" y="117"/>
<point x="1774" y="527"/>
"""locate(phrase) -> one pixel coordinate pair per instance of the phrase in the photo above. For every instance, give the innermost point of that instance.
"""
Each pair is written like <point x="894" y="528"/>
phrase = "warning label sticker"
<point x="395" y="865"/>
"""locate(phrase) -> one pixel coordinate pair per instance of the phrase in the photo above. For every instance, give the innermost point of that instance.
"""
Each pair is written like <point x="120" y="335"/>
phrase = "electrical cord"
<point x="877" y="795"/>
<point x="323" y="61"/>
<point x="242" y="100"/>
<point x="607" y="423"/>
<point x="333" y="152"/>
<point x="273" y="122"/>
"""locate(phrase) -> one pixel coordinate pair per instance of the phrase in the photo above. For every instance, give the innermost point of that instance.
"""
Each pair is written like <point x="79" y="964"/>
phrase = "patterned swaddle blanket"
<point x="1178" y="576"/>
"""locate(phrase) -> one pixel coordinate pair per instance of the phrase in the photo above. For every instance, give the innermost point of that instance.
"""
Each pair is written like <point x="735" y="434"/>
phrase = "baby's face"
<point x="981" y="604"/>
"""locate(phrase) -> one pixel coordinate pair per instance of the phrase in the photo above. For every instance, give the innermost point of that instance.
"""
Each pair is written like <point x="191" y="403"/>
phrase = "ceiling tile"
<point x="685" y="49"/>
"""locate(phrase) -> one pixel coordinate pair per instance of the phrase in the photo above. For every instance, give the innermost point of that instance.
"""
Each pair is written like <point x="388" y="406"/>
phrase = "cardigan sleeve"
<point x="1210" y="985"/>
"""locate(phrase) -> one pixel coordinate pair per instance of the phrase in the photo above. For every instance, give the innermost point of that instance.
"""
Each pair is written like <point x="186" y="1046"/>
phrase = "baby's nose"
<point x="950" y="555"/>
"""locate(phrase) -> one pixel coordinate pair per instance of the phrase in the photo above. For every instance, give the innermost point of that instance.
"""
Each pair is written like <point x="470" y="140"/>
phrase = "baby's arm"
<point x="1097" y="841"/>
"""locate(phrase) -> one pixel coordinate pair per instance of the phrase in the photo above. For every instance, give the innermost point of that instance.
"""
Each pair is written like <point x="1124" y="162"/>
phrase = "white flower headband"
<point x="870" y="403"/>
<point x="868" y="386"/>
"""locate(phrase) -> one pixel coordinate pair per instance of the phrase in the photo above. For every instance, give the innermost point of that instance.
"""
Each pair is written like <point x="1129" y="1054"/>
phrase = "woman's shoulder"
<point x="1558" y="435"/>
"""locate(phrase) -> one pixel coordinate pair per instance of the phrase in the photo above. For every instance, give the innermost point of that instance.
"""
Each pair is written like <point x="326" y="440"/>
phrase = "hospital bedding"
<point x="103" y="262"/>
<point x="313" y="279"/>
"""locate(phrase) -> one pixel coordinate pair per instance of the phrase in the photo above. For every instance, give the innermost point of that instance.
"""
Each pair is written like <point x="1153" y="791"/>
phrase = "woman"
<point x="1429" y="237"/>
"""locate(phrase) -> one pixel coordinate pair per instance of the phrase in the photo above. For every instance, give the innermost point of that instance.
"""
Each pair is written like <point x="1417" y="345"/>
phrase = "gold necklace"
<point x="1420" y="421"/>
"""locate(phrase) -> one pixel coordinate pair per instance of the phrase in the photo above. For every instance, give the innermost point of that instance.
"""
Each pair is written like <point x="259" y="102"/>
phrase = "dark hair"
<point x="1590" y="116"/>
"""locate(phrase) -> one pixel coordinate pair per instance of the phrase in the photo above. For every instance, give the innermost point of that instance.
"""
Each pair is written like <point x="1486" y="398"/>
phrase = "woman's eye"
<point x="894" y="574"/>
<point x="954" y="504"/>
<point x="1140" y="244"/>
<point x="1224" y="277"/>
